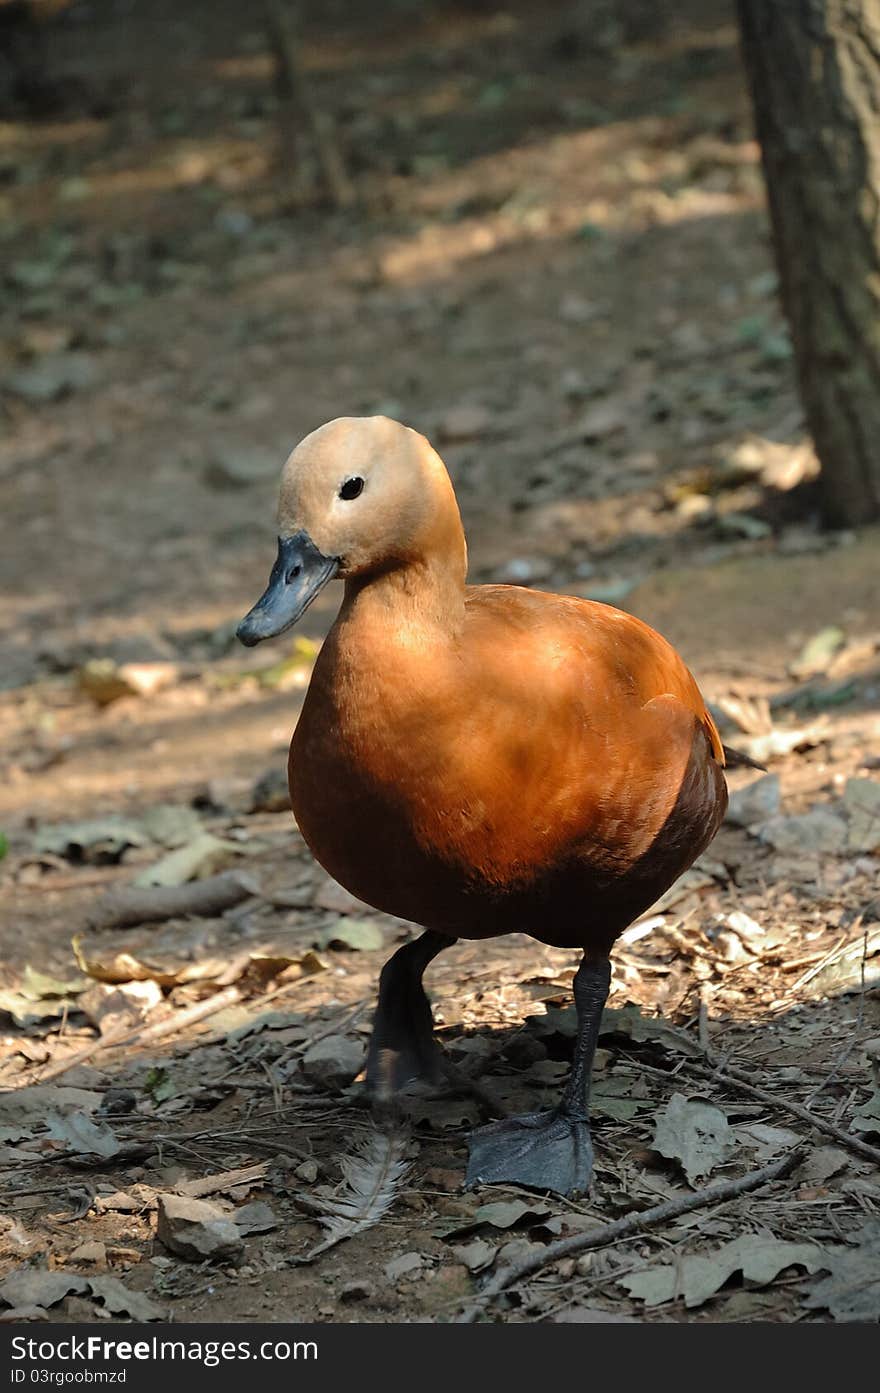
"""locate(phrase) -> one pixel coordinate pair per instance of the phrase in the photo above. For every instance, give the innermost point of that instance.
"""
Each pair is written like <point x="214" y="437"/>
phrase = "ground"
<point x="559" y="269"/>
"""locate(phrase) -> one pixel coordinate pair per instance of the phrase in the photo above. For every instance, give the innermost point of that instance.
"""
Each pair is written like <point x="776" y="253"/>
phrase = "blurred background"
<point x="539" y="234"/>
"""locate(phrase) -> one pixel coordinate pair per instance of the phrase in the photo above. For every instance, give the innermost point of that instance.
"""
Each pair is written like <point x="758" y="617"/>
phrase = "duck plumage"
<point x="478" y="759"/>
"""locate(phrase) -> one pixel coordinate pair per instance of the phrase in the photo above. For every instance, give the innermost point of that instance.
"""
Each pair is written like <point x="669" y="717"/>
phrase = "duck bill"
<point x="300" y="573"/>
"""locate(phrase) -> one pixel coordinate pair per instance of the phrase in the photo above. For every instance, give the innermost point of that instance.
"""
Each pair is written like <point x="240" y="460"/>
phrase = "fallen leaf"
<point x="31" y="1286"/>
<point x="861" y="800"/>
<point x="122" y="1302"/>
<point x="80" y="1134"/>
<point x="504" y="1214"/>
<point x="98" y="840"/>
<point x="759" y="1257"/>
<point x="256" y="1217"/>
<point x="476" y="1255"/>
<point x="694" y="1133"/>
<point x="619" y="1096"/>
<point x="852" y="1291"/>
<point x="764" y="1140"/>
<point x="817" y="652"/>
<point x="19" y="1314"/>
<point x="106" y="681"/>
<point x="360" y="935"/>
<point x="628" y="1020"/>
<point x="192" y="861"/>
<point x="822" y="1164"/>
<point x="111" y="1008"/>
<point x="171" y="824"/>
<point x="37" y="1100"/>
<point x="866" y="1119"/>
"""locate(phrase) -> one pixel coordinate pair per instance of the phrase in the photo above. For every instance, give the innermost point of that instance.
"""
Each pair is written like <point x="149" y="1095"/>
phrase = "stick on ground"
<point x="130" y="905"/>
<point x="624" y="1228"/>
<point x="728" y="1074"/>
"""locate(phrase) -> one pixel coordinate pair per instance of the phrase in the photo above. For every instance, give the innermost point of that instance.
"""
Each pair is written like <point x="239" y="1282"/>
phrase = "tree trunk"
<point x="814" y="70"/>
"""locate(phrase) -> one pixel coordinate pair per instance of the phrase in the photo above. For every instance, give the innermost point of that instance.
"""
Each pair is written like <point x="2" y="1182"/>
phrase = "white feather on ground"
<point x="372" y="1176"/>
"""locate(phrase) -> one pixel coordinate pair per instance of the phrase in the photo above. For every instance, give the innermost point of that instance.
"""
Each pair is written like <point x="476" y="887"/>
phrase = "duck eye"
<point x="351" y="488"/>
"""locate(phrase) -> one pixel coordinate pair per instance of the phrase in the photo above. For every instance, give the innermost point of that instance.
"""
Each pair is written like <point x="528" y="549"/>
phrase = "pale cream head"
<point x="404" y="511"/>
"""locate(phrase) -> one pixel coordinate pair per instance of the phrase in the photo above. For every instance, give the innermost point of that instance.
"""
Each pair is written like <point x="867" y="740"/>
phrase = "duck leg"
<point x="402" y="1046"/>
<point x="551" y="1150"/>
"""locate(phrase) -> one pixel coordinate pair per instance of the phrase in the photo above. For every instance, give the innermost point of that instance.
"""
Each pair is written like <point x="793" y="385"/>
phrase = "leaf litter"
<point x="228" y="1093"/>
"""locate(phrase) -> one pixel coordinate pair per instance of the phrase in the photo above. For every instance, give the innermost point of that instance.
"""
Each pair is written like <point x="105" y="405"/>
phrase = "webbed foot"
<point x="544" y="1150"/>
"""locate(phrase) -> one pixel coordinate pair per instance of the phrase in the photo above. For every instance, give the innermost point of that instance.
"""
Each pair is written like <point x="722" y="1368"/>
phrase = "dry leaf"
<point x="30" y="1286"/>
<point x="196" y="859"/>
<point x="80" y="1134"/>
<point x="122" y="1302"/>
<point x="852" y="1291"/>
<point x="759" y="1257"/>
<point x="695" y="1133"/>
<point x="628" y="1020"/>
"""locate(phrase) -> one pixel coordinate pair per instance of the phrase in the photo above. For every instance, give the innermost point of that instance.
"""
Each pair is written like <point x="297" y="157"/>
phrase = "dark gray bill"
<point x="299" y="573"/>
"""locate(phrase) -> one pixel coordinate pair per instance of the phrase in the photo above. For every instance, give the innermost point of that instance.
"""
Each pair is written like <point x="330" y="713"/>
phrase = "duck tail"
<point x="735" y="759"/>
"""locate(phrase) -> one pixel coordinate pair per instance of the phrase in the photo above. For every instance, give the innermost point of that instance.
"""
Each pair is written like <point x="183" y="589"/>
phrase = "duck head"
<point x="360" y="497"/>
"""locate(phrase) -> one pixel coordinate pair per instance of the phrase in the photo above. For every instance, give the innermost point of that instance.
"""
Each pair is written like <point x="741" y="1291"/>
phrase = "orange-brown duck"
<point x="478" y="759"/>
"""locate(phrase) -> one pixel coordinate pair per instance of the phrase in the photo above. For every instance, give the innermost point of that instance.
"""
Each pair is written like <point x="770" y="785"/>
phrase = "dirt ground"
<point x="558" y="269"/>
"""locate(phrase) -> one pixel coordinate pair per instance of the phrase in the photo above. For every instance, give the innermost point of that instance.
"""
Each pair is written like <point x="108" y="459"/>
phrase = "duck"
<point x="478" y="760"/>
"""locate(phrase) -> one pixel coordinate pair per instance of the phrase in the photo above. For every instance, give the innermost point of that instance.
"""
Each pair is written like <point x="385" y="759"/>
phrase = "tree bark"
<point x="814" y="71"/>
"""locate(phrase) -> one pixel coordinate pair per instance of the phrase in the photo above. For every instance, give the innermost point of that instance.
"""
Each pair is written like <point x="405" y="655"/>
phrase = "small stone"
<point x="756" y="803"/>
<point x="333" y="1062"/>
<point x="817" y="831"/>
<point x="463" y="423"/>
<point x="407" y="1265"/>
<point x="92" y="1253"/>
<point x="307" y="1172"/>
<point x="197" y="1229"/>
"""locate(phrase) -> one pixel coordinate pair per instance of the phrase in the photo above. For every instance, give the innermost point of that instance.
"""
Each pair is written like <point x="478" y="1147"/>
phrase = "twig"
<point x="823" y="961"/>
<point x="124" y="907"/>
<point x="703" y="1026"/>
<point x="143" y="1033"/>
<point x="629" y="1225"/>
<point x="720" y="1075"/>
<point x="856" y="1031"/>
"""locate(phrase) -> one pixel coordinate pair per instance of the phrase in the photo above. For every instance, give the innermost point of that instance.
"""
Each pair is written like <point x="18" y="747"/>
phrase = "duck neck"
<point x="421" y="599"/>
